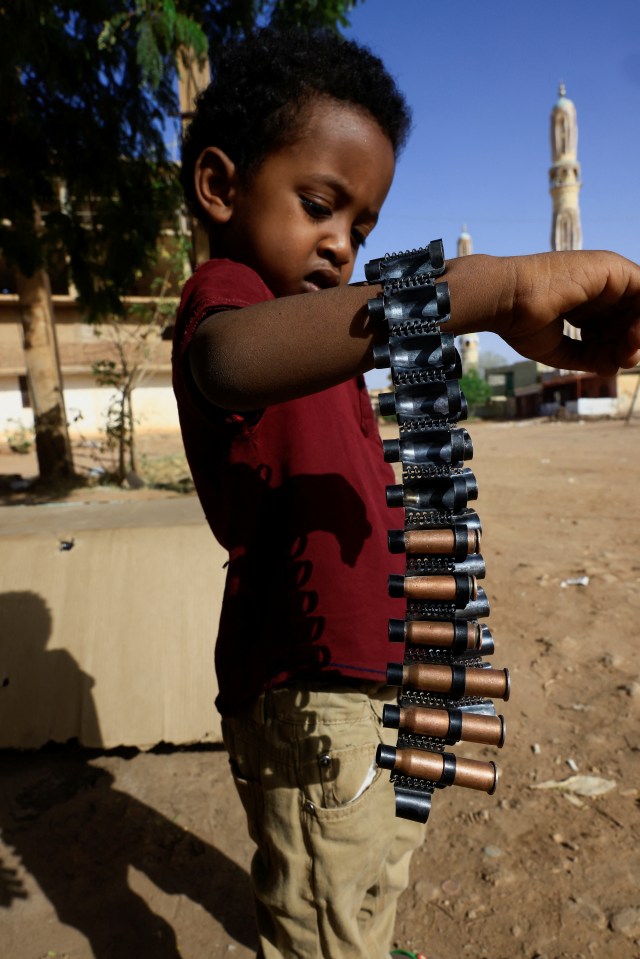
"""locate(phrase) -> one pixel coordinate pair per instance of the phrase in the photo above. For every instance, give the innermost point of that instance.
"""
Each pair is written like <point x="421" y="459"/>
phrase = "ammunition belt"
<point x="446" y="689"/>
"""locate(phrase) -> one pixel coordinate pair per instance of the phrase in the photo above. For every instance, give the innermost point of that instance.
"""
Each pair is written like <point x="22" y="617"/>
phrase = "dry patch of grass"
<point x="167" y="472"/>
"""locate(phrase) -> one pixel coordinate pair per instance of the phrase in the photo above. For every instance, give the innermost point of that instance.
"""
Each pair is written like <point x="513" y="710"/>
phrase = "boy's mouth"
<point x="321" y="280"/>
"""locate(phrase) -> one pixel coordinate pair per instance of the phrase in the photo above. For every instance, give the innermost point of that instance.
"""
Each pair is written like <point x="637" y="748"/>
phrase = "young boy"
<point x="287" y="163"/>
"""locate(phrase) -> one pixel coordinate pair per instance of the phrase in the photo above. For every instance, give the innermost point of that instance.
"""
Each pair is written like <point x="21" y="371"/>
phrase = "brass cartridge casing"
<point x="426" y="633"/>
<point x="438" y="541"/>
<point x="471" y="773"/>
<point x="489" y="730"/>
<point x="439" y="589"/>
<point x="493" y="683"/>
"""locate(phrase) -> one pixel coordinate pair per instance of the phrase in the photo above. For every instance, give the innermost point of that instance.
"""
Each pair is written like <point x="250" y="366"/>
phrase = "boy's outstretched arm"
<point x="285" y="348"/>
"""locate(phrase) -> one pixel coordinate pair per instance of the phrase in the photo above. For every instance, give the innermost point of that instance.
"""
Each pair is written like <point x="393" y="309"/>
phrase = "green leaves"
<point x="160" y="31"/>
<point x="476" y="390"/>
<point x="88" y="102"/>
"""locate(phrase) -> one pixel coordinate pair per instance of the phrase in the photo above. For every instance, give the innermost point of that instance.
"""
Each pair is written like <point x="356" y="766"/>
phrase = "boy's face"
<point x="300" y="219"/>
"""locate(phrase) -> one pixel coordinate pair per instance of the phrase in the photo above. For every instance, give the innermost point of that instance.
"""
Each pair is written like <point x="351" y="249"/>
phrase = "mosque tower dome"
<point x="564" y="175"/>
<point x="468" y="344"/>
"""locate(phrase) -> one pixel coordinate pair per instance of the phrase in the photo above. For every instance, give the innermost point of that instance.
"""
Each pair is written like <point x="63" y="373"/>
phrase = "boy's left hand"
<point x="597" y="292"/>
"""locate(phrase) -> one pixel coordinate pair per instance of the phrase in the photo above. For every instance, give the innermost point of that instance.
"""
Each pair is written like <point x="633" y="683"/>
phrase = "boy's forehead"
<point x="342" y="147"/>
<point x="321" y="114"/>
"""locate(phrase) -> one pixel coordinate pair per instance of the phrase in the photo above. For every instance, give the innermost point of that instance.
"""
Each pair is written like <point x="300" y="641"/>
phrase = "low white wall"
<point x="12" y="412"/>
<point x="594" y="406"/>
<point x="154" y="406"/>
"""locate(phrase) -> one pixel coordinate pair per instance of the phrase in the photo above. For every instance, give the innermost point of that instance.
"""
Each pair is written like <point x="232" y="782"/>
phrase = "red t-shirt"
<point x="296" y="494"/>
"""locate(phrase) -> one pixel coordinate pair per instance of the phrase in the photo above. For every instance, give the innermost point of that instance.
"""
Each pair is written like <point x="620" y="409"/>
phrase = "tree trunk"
<point x="193" y="77"/>
<point x="42" y="363"/>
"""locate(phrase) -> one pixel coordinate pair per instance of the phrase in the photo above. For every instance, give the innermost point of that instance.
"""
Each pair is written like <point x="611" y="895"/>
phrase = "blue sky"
<point x="482" y="78"/>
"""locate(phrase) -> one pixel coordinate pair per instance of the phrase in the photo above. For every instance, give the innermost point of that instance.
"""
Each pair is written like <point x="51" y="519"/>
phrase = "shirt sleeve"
<point x="215" y="287"/>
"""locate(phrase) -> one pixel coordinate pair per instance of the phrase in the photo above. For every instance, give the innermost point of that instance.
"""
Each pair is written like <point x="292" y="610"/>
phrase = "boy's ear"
<point x="215" y="184"/>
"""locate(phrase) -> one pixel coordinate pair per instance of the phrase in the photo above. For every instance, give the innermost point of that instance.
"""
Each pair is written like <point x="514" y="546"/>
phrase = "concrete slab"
<point x="76" y="515"/>
<point x="108" y="618"/>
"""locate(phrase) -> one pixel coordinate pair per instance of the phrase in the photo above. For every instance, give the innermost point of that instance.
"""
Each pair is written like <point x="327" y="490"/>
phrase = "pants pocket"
<point x="345" y="774"/>
<point x="251" y="797"/>
<point x="245" y="770"/>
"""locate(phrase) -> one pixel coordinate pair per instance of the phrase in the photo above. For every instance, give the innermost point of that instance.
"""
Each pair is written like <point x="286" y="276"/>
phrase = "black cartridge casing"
<point x="419" y="301"/>
<point x="440" y="400"/>
<point x="440" y="492"/>
<point x="423" y="351"/>
<point x="451" y="447"/>
<point x="427" y="261"/>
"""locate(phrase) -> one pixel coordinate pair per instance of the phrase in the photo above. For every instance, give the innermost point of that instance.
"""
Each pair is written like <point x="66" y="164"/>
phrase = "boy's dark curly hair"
<point x="253" y="105"/>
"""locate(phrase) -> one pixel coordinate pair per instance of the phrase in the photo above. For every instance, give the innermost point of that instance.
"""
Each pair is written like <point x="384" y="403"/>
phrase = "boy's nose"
<point x="336" y="247"/>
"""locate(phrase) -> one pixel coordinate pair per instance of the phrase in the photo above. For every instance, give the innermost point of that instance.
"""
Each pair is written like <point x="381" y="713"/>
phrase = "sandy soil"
<point x="128" y="855"/>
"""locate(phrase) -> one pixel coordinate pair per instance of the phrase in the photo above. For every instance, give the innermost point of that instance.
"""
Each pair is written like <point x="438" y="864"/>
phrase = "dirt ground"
<point x="132" y="855"/>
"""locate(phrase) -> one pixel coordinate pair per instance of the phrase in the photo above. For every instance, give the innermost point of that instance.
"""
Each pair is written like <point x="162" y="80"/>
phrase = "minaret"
<point x="564" y="175"/>
<point x="465" y="243"/>
<point x="468" y="344"/>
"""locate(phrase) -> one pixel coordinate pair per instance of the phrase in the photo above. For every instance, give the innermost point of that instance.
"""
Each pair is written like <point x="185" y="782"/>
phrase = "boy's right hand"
<point x="525" y="300"/>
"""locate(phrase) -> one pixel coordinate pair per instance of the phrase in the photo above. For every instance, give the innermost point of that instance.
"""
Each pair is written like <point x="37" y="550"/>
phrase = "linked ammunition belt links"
<point x="446" y="687"/>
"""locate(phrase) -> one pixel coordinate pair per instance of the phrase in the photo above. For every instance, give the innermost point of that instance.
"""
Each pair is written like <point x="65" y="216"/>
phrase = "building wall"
<point x="627" y="383"/>
<point x="81" y="344"/>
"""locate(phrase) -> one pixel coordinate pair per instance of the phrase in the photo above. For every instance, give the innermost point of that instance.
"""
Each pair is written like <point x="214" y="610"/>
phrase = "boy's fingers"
<point x="547" y="344"/>
<point x="603" y="352"/>
<point x="629" y="354"/>
<point x="613" y="339"/>
<point x="598" y="352"/>
<point x="573" y="354"/>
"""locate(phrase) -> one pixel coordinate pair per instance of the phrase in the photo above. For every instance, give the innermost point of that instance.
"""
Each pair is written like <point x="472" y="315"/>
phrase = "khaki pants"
<point x="332" y="858"/>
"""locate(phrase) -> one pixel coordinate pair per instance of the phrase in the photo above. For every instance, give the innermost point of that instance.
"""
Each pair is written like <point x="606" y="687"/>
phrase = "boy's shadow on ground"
<point x="77" y="836"/>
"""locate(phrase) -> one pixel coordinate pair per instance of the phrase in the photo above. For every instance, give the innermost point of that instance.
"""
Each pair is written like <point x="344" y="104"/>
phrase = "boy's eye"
<point x="358" y="238"/>
<point x="319" y="211"/>
<point x="316" y="210"/>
